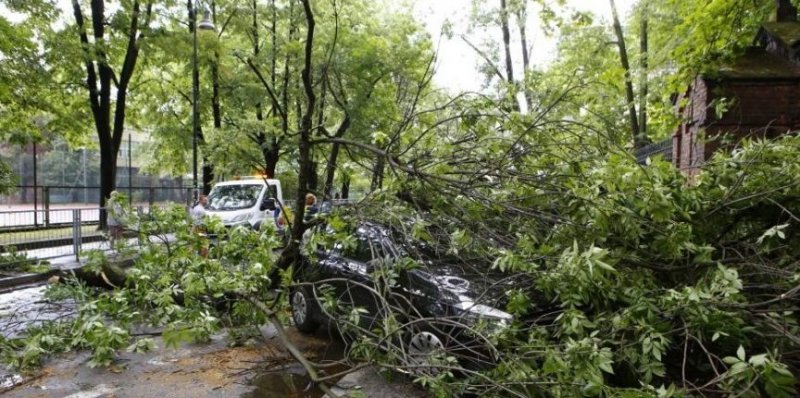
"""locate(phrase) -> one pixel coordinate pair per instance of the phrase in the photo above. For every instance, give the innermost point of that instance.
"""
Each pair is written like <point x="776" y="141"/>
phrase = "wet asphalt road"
<point x="211" y="370"/>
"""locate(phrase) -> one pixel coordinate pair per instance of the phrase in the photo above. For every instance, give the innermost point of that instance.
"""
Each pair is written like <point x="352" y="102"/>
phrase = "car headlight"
<point x="495" y="320"/>
<point x="484" y="311"/>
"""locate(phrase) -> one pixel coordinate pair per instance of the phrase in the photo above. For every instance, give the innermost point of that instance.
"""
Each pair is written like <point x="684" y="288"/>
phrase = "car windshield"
<point x="406" y="246"/>
<point x="234" y="197"/>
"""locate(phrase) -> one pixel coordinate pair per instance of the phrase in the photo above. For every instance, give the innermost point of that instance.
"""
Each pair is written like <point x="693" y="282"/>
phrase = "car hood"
<point x="463" y="282"/>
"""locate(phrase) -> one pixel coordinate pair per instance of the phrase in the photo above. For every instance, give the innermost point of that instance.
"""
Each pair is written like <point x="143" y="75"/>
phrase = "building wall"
<point x="687" y="151"/>
<point x="763" y="108"/>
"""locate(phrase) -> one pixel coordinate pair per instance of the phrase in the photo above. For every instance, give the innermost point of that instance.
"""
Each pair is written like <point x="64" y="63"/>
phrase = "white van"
<point x="249" y="201"/>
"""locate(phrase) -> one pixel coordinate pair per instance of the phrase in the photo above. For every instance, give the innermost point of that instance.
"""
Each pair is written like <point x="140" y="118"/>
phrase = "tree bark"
<point x="623" y="57"/>
<point x="330" y="168"/>
<point x="330" y="172"/>
<point x="507" y="50"/>
<point x="269" y="145"/>
<point x="643" y="84"/>
<point x="377" y="174"/>
<point x="98" y="71"/>
<point x="273" y="154"/>
<point x="346" y="188"/>
<point x="522" y="17"/>
<point x="506" y="41"/>
<point x="304" y="144"/>
<point x="216" y="112"/>
<point x="313" y="175"/>
<point x="286" y="74"/>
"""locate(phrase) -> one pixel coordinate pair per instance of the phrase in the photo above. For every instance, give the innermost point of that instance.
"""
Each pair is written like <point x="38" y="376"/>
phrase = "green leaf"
<point x="605" y="366"/>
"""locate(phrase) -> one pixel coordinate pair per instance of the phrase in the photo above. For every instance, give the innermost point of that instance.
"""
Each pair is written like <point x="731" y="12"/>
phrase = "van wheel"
<point x="304" y="310"/>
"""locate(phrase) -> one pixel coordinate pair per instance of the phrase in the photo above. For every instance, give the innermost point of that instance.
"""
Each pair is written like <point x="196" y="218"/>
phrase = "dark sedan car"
<point x="442" y="307"/>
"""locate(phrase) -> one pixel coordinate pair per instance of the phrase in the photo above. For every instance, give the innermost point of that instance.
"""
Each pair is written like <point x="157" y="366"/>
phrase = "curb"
<point x="26" y="279"/>
<point x="13" y="282"/>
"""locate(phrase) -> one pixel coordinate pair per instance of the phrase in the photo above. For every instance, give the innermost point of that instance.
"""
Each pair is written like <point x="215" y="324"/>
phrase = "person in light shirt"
<point x="198" y="214"/>
<point x="115" y="215"/>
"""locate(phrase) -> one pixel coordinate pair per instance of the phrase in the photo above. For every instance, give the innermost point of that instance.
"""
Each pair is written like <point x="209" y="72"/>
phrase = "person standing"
<point x="198" y="214"/>
<point x="311" y="207"/>
<point x="114" y="219"/>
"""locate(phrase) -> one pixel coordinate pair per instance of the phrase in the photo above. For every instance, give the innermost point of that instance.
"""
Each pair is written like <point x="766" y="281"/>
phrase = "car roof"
<point x="249" y="181"/>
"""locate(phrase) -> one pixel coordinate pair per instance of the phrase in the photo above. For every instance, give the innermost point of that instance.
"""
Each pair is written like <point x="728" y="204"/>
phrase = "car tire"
<point x="304" y="310"/>
<point x="422" y="348"/>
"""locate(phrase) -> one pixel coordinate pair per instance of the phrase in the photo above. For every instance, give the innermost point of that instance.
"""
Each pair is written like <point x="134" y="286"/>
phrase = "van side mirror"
<point x="268" y="204"/>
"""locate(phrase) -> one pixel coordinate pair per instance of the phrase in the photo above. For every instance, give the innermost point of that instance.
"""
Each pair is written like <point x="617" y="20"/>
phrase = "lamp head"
<point x="206" y="23"/>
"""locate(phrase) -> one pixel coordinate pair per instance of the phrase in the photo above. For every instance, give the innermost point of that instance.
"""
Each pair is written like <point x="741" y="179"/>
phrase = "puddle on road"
<point x="292" y="381"/>
<point x="23" y="308"/>
<point x="8" y="381"/>
<point x="279" y="383"/>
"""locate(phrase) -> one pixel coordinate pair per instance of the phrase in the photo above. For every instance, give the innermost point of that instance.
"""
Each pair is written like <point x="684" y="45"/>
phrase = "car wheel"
<point x="425" y="350"/>
<point x="304" y="310"/>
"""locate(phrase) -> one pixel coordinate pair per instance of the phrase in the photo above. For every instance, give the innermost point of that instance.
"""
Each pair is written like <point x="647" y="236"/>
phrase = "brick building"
<point x="758" y="95"/>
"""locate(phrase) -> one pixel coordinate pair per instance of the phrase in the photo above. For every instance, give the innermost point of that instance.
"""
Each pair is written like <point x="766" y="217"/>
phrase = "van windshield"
<point x="234" y="197"/>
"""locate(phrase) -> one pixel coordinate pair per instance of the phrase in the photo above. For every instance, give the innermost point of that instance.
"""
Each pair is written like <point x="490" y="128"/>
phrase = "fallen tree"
<point x="634" y="276"/>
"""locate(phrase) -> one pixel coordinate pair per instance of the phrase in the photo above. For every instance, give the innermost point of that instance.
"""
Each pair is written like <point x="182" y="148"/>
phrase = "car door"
<point x="360" y="263"/>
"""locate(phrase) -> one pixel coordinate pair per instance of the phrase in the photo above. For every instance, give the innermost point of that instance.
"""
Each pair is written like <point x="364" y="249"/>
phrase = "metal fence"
<point x="663" y="148"/>
<point x="60" y="194"/>
<point x="28" y="220"/>
<point x="69" y="230"/>
<point x="42" y="206"/>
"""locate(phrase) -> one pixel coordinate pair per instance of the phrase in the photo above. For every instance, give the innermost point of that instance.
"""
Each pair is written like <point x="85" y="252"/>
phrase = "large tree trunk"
<point x="313" y="175"/>
<point x="208" y="175"/>
<point x="643" y="85"/>
<point x="216" y="112"/>
<point x="108" y="175"/>
<point x="304" y="144"/>
<point x="286" y="74"/>
<point x="330" y="168"/>
<point x="272" y="155"/>
<point x="275" y="149"/>
<point x="522" y="17"/>
<point x="623" y="57"/>
<point x="507" y="51"/>
<point x="377" y="174"/>
<point x="98" y="71"/>
<point x="506" y="42"/>
<point x="346" y="188"/>
<point x="330" y="172"/>
<point x="270" y="148"/>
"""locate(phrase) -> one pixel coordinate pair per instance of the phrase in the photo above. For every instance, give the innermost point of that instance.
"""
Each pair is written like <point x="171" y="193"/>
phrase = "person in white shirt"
<point x="114" y="213"/>
<point x="198" y="212"/>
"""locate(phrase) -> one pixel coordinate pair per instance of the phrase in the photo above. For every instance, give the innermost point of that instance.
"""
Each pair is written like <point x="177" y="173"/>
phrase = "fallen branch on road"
<point x="293" y="350"/>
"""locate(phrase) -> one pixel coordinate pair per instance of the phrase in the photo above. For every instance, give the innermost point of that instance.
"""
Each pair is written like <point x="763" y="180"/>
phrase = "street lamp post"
<point x="205" y="24"/>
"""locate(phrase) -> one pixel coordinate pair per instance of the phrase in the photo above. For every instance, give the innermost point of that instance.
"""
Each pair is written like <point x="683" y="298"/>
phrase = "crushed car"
<point x="442" y="308"/>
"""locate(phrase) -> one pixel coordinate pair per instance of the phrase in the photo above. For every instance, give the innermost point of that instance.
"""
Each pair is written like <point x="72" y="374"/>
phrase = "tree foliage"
<point x="623" y="278"/>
